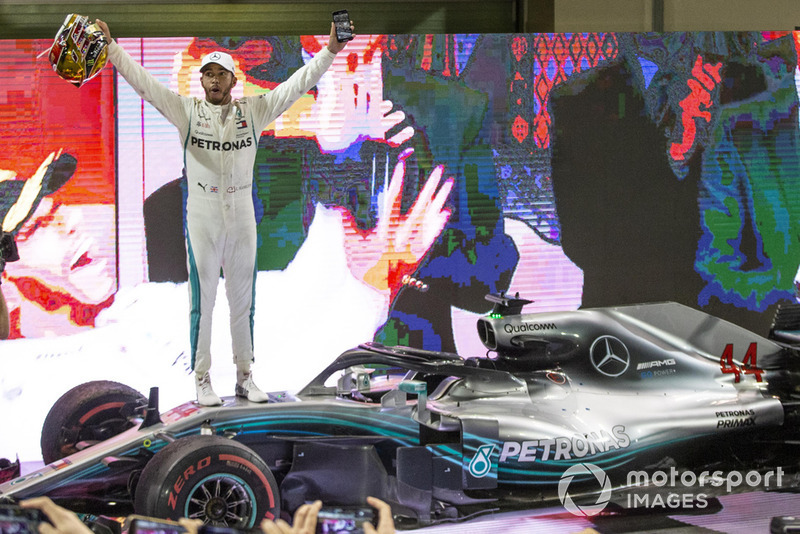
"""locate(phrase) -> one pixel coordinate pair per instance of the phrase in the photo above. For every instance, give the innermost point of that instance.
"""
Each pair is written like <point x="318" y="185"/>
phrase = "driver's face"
<point x="217" y="84"/>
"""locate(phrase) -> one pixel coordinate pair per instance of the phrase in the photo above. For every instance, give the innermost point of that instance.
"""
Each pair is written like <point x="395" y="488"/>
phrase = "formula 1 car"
<point x="562" y="407"/>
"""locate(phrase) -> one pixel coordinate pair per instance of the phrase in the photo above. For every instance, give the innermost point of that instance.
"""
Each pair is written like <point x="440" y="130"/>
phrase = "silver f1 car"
<point x="440" y="436"/>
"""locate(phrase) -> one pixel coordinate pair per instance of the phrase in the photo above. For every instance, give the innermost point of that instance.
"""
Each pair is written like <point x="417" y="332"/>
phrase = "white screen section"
<point x="150" y="153"/>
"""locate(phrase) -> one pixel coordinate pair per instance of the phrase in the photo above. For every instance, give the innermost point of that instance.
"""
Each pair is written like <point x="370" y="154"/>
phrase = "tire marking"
<point x="101" y="408"/>
<point x="254" y="469"/>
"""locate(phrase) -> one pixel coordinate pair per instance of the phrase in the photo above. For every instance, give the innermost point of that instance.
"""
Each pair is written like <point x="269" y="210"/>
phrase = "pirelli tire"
<point x="211" y="478"/>
<point x="87" y="414"/>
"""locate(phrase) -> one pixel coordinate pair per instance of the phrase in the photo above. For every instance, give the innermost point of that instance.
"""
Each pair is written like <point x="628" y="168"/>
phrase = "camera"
<point x="344" y="519"/>
<point x="17" y="520"/>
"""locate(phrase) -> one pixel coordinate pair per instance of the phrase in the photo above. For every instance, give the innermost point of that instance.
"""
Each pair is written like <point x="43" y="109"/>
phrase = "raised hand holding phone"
<point x="344" y="30"/>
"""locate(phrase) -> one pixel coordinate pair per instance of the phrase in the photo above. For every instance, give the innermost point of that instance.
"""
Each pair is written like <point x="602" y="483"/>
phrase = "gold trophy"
<point x="79" y="51"/>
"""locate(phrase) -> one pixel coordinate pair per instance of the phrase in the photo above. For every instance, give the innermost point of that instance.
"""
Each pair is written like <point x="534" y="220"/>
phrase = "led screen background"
<point x="585" y="169"/>
<point x="675" y="172"/>
<point x="444" y="98"/>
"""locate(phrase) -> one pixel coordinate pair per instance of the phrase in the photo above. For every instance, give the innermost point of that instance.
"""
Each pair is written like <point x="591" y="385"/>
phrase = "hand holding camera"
<point x="18" y="520"/>
<point x="41" y="515"/>
<point x="376" y="518"/>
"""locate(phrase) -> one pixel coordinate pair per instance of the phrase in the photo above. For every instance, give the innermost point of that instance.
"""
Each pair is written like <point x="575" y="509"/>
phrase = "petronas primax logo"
<point x="481" y="463"/>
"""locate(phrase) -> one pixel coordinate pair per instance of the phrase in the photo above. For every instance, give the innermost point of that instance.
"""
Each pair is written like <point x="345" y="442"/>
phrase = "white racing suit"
<point x="219" y="144"/>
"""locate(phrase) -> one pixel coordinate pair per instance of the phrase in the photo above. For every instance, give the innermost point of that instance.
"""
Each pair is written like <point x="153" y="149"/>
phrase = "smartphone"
<point x="344" y="519"/>
<point x="150" y="525"/>
<point x="341" y="21"/>
<point x="17" y="520"/>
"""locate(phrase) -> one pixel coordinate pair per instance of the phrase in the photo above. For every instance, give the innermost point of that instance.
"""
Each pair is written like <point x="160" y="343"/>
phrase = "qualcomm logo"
<point x="581" y="471"/>
<point x="481" y="463"/>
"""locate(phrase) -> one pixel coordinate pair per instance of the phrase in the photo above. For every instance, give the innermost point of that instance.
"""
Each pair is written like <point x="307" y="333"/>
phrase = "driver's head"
<point x="218" y="77"/>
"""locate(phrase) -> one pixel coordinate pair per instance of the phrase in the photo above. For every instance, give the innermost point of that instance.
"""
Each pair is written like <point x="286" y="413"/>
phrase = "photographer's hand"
<point x="385" y="520"/>
<point x="62" y="521"/>
<point x="191" y="526"/>
<point x="305" y="521"/>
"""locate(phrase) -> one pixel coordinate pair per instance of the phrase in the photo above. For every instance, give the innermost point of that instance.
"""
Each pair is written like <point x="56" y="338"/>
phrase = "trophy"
<point x="79" y="51"/>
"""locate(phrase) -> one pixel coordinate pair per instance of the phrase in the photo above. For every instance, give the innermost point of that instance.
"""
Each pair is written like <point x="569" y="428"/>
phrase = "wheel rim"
<point x="222" y="500"/>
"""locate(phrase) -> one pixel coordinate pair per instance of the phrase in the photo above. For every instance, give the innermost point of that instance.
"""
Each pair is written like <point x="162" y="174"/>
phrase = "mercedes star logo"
<point x="609" y="356"/>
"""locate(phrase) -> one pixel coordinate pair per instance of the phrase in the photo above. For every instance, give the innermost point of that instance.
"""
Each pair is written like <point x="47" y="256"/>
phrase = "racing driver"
<point x="220" y="138"/>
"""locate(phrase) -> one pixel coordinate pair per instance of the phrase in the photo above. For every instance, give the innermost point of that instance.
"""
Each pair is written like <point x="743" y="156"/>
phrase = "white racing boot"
<point x="246" y="388"/>
<point x="205" y="394"/>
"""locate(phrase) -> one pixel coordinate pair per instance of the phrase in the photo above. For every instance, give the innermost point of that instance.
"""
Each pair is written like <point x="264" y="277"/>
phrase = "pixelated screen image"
<point x="422" y="173"/>
<point x="61" y="142"/>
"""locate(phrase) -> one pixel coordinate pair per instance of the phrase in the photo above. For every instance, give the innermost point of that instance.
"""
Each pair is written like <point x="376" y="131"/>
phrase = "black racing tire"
<point x="211" y="478"/>
<point x="90" y="412"/>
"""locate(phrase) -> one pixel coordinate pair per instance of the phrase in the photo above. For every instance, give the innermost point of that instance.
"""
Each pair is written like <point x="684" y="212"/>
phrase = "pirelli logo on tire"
<point x="181" y="480"/>
<point x="211" y="478"/>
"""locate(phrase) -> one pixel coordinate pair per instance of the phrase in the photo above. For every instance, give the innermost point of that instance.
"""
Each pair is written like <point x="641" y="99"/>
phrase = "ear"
<point x="235" y="79"/>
